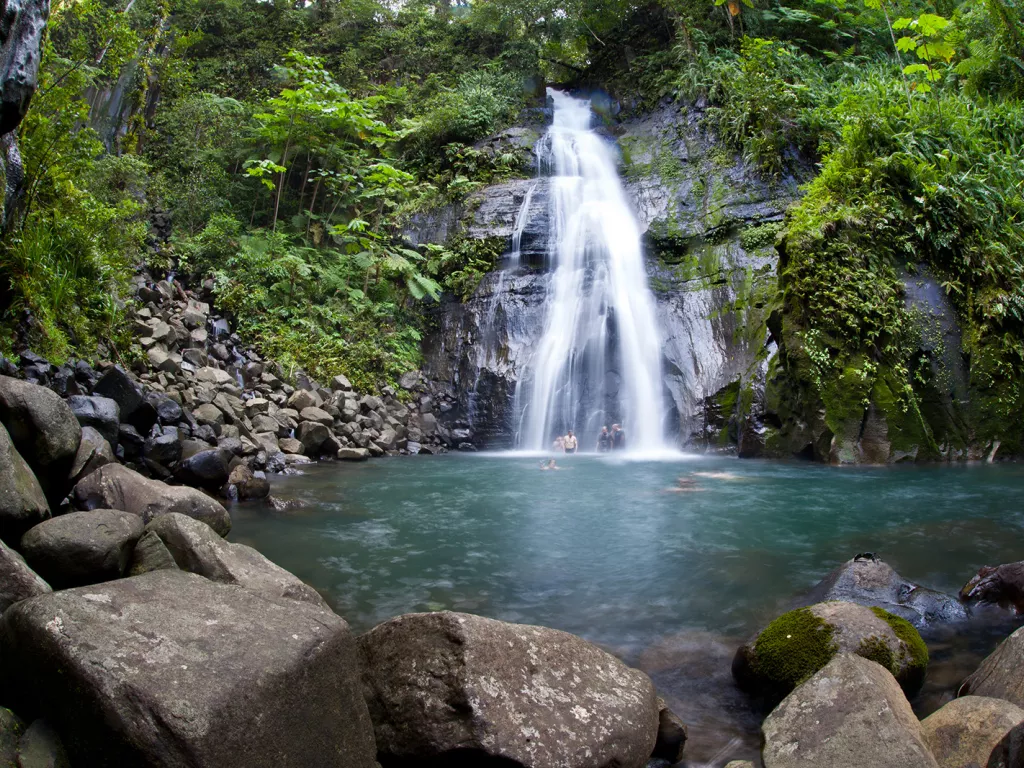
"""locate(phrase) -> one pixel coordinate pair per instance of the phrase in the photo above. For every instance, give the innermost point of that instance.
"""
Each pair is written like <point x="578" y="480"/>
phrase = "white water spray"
<point x="599" y="358"/>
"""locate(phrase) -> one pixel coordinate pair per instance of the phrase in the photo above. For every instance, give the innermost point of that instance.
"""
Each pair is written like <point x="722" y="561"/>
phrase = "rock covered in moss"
<point x="972" y="730"/>
<point x="868" y="580"/>
<point x="849" y="713"/>
<point x="799" y="643"/>
<point x="444" y="685"/>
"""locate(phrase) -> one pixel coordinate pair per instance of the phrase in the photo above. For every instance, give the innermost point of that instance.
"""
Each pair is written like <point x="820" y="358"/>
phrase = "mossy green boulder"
<point x="799" y="643"/>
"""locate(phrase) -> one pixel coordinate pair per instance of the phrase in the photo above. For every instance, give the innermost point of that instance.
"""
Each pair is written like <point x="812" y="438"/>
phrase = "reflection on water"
<point x="671" y="582"/>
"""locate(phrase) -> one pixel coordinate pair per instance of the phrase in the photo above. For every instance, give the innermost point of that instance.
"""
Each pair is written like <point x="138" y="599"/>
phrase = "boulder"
<point x="290" y="446"/>
<point x="671" y="735"/>
<point x="312" y="435"/>
<point x="410" y="380"/>
<point x="93" y="452"/>
<point x="22" y="501"/>
<point x="100" y="413"/>
<point x="968" y="731"/>
<point x="209" y="414"/>
<point x="249" y="484"/>
<point x="82" y="547"/>
<point x="11" y="729"/>
<point x="999" y="675"/>
<point x="117" y="487"/>
<point x="353" y="454"/>
<point x="318" y="415"/>
<point x="41" y="747"/>
<point x="167" y="411"/>
<point x="118" y="386"/>
<point x="850" y="713"/>
<point x="215" y="376"/>
<point x="869" y="581"/>
<point x="151" y="554"/>
<point x="164" y="449"/>
<point x="171" y="669"/>
<point x="301" y="399"/>
<point x="1001" y="585"/>
<point x="206" y="469"/>
<point x="799" y="643"/>
<point x="341" y="384"/>
<point x="17" y="581"/>
<point x="197" y="549"/>
<point x="44" y="431"/>
<point x="443" y="684"/>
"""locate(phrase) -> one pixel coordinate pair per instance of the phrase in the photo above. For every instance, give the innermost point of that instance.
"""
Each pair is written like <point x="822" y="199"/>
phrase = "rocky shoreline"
<point x="133" y="633"/>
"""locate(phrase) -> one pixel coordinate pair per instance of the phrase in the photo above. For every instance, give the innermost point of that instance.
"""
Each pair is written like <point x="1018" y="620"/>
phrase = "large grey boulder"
<point x="82" y="547"/>
<point x="206" y="469"/>
<point x="312" y="435"/>
<point x="17" y="581"/>
<point x="971" y="731"/>
<point x="867" y="580"/>
<point x="131" y="402"/>
<point x="171" y="669"/>
<point x="438" y="684"/>
<point x="851" y="713"/>
<point x="117" y="487"/>
<point x="150" y="554"/>
<point x="94" y="451"/>
<point x="22" y="501"/>
<point x="44" y="431"/>
<point x="999" y="675"/>
<point x="101" y="413"/>
<point x="197" y="549"/>
<point x="802" y="641"/>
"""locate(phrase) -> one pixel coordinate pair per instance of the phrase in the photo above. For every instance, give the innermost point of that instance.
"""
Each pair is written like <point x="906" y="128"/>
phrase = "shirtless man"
<point x="570" y="442"/>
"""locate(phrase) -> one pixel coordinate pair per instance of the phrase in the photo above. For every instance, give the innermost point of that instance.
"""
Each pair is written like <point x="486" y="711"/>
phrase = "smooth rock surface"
<point x="82" y="548"/>
<point x="850" y="713"/>
<point x="870" y="581"/>
<point x="117" y="487"/>
<point x="967" y="731"/>
<point x="17" y="581"/>
<point x="151" y="554"/>
<point x="101" y="413"/>
<point x="999" y="675"/>
<point x="171" y="669"/>
<point x="22" y="501"/>
<point x="437" y="683"/>
<point x="197" y="549"/>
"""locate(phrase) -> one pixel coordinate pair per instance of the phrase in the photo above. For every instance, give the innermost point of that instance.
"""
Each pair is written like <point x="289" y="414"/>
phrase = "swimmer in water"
<point x="550" y="464"/>
<point x="717" y="475"/>
<point x="684" y="485"/>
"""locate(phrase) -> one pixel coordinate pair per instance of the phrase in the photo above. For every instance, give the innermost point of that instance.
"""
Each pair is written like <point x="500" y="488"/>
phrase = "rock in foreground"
<point x="971" y="731"/>
<point x="441" y="684"/>
<point x="22" y="502"/>
<point x="17" y="581"/>
<point x="117" y="487"/>
<point x="799" y="643"/>
<point x="999" y="675"/>
<point x="851" y="713"/>
<point x="170" y="669"/>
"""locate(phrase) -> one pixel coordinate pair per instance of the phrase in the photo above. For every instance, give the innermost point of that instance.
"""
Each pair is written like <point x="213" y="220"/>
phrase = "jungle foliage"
<point x="290" y="142"/>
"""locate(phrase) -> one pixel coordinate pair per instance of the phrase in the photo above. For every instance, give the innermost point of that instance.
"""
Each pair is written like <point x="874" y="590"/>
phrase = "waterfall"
<point x="598" y="359"/>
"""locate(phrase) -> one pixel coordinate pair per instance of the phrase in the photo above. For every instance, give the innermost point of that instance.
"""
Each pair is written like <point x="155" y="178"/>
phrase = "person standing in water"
<point x="604" y="441"/>
<point x="570" y="442"/>
<point x="618" y="438"/>
<point x="559" y="445"/>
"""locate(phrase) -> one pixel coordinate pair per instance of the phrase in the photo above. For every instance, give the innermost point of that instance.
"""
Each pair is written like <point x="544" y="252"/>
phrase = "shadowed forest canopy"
<point x="288" y="144"/>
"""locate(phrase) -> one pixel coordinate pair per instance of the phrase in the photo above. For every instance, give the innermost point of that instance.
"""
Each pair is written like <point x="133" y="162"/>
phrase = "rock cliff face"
<point x="709" y="222"/>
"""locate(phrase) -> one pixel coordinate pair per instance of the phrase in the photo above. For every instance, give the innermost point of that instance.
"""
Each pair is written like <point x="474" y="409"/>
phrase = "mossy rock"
<point x="799" y="643"/>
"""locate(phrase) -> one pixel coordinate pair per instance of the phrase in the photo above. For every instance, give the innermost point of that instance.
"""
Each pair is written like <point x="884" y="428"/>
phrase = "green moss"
<point x="875" y="649"/>
<point x="792" y="648"/>
<point x="918" y="661"/>
<point x="760" y="235"/>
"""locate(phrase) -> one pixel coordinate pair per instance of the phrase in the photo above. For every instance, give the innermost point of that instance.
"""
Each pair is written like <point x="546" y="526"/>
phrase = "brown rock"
<point x="967" y="731"/>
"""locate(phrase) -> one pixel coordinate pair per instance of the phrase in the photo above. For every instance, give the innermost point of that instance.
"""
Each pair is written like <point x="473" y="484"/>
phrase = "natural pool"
<point x="670" y="582"/>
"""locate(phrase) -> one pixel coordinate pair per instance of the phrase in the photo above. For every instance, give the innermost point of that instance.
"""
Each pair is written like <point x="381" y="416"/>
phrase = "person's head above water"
<point x="604" y="429"/>
<point x="616" y="427"/>
<point x="570" y="433"/>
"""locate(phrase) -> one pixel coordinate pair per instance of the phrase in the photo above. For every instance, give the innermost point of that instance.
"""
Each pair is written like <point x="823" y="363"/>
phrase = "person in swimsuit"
<point x="570" y="442"/>
<point x="604" y="441"/>
<point x="618" y="438"/>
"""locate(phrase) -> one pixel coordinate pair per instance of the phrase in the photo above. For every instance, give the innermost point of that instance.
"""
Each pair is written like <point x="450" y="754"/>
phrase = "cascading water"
<point x="598" y="360"/>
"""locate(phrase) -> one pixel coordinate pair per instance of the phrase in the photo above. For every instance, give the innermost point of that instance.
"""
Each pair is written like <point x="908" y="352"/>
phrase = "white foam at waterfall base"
<point x="598" y="360"/>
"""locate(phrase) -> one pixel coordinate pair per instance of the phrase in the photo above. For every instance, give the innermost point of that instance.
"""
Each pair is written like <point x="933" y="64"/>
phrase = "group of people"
<point x="613" y="440"/>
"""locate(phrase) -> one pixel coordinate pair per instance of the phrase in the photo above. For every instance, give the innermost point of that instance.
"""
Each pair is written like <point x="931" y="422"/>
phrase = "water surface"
<point x="670" y="582"/>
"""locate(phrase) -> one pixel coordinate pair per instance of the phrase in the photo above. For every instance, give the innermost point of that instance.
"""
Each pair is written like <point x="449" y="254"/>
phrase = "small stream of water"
<point x="670" y="582"/>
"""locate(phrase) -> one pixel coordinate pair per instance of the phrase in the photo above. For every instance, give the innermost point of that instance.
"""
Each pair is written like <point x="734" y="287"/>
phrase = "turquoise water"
<point x="670" y="581"/>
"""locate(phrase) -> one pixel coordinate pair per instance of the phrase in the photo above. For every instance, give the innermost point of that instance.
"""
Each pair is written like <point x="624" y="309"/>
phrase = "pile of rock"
<point x="167" y="645"/>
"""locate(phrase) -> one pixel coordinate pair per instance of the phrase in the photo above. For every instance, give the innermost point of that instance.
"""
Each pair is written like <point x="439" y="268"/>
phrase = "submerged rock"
<point x="999" y="675"/>
<point x="850" y="713"/>
<point x="869" y="581"/>
<point x="441" y="684"/>
<point x="117" y="487"/>
<point x="799" y="643"/>
<point x="172" y="669"/>
<point x="970" y="731"/>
